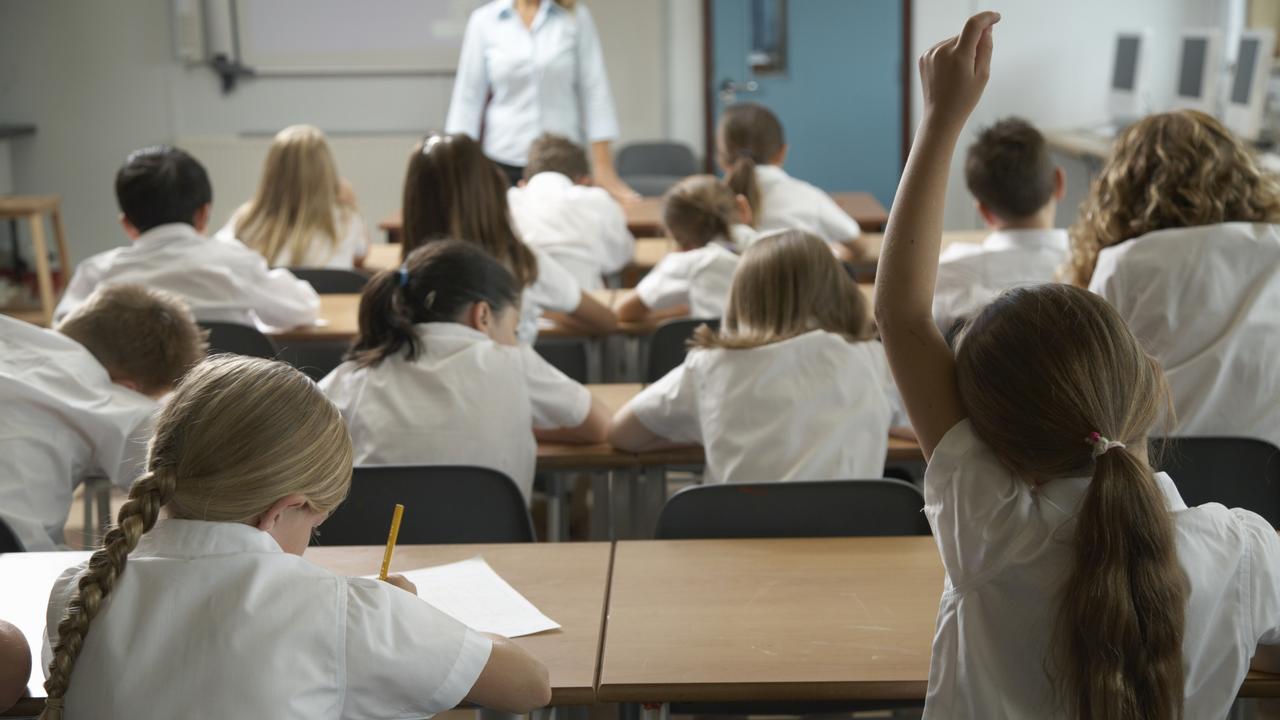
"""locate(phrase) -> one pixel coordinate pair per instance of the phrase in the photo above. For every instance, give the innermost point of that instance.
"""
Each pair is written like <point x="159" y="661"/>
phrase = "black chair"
<point x="442" y="504"/>
<point x="9" y="542"/>
<point x="669" y="345"/>
<point x="568" y="355"/>
<point x="239" y="339"/>
<point x="652" y="168"/>
<point x="315" y="358"/>
<point x="1237" y="472"/>
<point x="330" y="281"/>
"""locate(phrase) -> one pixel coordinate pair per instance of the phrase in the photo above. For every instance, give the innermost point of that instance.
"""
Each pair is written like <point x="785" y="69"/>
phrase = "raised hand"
<point x="954" y="72"/>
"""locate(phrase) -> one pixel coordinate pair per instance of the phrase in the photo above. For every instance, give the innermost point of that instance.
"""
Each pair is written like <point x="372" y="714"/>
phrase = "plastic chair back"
<point x="332" y="281"/>
<point x="670" y="344"/>
<point x="239" y="339"/>
<point x="1234" y="471"/>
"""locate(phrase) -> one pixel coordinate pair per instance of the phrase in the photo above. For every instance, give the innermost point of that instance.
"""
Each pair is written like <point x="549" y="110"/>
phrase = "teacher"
<point x="530" y="67"/>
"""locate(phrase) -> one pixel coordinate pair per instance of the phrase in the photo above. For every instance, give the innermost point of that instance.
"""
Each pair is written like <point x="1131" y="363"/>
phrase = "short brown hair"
<point x="1009" y="169"/>
<point x="697" y="210"/>
<point x="145" y="336"/>
<point x="556" y="153"/>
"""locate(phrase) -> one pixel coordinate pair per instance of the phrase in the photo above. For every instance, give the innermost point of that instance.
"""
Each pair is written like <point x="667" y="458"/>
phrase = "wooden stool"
<point x="33" y="208"/>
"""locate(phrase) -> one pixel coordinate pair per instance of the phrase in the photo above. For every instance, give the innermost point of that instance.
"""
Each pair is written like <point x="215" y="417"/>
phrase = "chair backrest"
<point x="331" y="281"/>
<point x="239" y="339"/>
<point x="1237" y="472"/>
<point x="442" y="504"/>
<point x="817" y="508"/>
<point x="9" y="541"/>
<point x="657" y="158"/>
<point x="568" y="355"/>
<point x="669" y="345"/>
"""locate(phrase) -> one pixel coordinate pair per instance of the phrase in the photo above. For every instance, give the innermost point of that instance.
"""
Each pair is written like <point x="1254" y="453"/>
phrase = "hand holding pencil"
<point x="397" y="580"/>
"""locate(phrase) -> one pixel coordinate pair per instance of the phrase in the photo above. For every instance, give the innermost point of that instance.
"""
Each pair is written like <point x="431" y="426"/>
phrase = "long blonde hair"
<point x="1172" y="170"/>
<point x="786" y="285"/>
<point x="238" y="434"/>
<point x="297" y="202"/>
<point x="1040" y="370"/>
<point x="697" y="210"/>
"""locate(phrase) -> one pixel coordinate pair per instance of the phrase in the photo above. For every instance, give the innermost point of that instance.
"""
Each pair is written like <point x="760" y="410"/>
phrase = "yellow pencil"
<point x="391" y="541"/>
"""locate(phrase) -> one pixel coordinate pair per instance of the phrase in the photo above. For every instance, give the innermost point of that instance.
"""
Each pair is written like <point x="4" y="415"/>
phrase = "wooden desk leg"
<point x="44" y="278"/>
<point x="64" y="256"/>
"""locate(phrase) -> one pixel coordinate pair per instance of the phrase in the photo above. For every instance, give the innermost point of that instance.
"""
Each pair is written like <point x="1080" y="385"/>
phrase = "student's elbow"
<point x="632" y="308"/>
<point x="595" y="429"/>
<point x="626" y="432"/>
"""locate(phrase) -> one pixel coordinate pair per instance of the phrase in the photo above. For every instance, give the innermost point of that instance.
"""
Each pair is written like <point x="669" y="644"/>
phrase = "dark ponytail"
<point x="749" y="134"/>
<point x="437" y="283"/>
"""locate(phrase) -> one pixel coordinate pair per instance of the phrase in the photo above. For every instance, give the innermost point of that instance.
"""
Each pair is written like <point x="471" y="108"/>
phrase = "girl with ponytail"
<point x="1079" y="585"/>
<point x="436" y="376"/>
<point x="199" y="597"/>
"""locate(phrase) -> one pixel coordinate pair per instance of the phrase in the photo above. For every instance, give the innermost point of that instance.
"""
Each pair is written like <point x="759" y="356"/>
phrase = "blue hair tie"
<point x="404" y="277"/>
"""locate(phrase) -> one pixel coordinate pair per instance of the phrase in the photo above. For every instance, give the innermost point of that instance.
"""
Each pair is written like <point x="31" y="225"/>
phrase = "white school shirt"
<point x="788" y="203"/>
<point x="700" y="278"/>
<point x="814" y="407"/>
<point x="582" y="228"/>
<point x="464" y="400"/>
<point x="555" y="290"/>
<point x="352" y="245"/>
<point x="1205" y="302"/>
<point x="1008" y="548"/>
<point x="63" y="421"/>
<point x="549" y="78"/>
<point x="971" y="275"/>
<point x="213" y="618"/>
<point x="220" y="278"/>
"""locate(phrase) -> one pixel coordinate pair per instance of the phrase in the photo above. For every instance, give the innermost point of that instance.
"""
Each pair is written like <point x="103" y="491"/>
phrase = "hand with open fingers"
<point x="403" y="583"/>
<point x="954" y="72"/>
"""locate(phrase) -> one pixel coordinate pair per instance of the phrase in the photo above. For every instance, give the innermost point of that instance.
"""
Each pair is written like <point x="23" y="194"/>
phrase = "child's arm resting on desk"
<point x="669" y="405"/>
<point x="594" y="429"/>
<point x="563" y="410"/>
<point x="513" y="681"/>
<point x="953" y="74"/>
<point x="593" y="315"/>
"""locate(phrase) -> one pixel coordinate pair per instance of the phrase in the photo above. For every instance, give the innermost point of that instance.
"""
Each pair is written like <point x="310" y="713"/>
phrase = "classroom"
<point x="615" y="360"/>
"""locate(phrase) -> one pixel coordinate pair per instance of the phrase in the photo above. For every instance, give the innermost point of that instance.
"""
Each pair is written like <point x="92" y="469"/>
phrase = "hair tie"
<point x="54" y="703"/>
<point x="744" y="153"/>
<point x="431" y="299"/>
<point x="1100" y="444"/>
<point x="404" y="276"/>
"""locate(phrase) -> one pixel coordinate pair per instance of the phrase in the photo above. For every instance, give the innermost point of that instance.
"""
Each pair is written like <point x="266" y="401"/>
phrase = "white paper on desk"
<point x="473" y="594"/>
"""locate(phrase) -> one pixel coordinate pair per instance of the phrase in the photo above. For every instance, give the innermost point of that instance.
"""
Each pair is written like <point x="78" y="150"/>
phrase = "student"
<point x="452" y="190"/>
<point x="706" y="220"/>
<point x="751" y="150"/>
<point x="79" y="401"/>
<point x="555" y="208"/>
<point x="164" y="199"/>
<point x="15" y="665"/>
<point x="1180" y="233"/>
<point x="791" y="388"/>
<point x="1017" y="189"/>
<point x="1078" y="582"/>
<point x="214" y="607"/>
<point x="436" y="376"/>
<point x="304" y="214"/>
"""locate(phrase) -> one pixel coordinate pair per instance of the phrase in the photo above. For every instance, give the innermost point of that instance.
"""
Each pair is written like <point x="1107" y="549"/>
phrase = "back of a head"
<point x="1171" y="170"/>
<point x="145" y="337"/>
<point x="749" y="134"/>
<point x="159" y="185"/>
<point x="1009" y="169"/>
<point x="1041" y="370"/>
<point x="788" y="284"/>
<point x="556" y="153"/>
<point x="452" y="191"/>
<point x="697" y="210"/>
<point x="296" y="200"/>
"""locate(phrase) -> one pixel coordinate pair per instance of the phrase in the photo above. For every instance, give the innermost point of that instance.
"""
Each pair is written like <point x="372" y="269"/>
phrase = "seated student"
<point x="164" y="199"/>
<point x="556" y="209"/>
<point x="78" y="402"/>
<point x="791" y="388"/>
<point x="436" y="376"/>
<point x="1181" y="234"/>
<point x="1017" y="188"/>
<point x="706" y="220"/>
<point x="304" y="214"/>
<point x="15" y="665"/>
<point x="750" y="149"/>
<point x="1078" y="582"/>
<point x="213" y="606"/>
<point x="452" y="191"/>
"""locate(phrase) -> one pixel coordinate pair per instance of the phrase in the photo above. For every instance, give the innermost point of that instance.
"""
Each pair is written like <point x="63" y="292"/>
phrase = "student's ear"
<point x="1059" y="183"/>
<point x="480" y="316"/>
<point x="129" y="230"/>
<point x="200" y="220"/>
<point x="745" y="216"/>
<point x="991" y="219"/>
<point x="269" y="519"/>
<point x="780" y="157"/>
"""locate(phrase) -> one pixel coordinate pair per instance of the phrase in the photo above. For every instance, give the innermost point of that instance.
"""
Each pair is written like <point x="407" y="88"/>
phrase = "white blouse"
<point x="352" y="244"/>
<point x="555" y="289"/>
<point x="581" y="227"/>
<point x="788" y="203"/>
<point x="971" y="275"/>
<point x="700" y="278"/>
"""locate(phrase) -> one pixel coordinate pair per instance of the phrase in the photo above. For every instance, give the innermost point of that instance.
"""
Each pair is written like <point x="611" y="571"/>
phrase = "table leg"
<point x="103" y="490"/>
<point x="86" y="532"/>
<point x="602" y="506"/>
<point x="648" y="497"/>
<point x="555" y="507"/>
<point x="44" y="277"/>
<point x="655" y="711"/>
<point x="60" y="238"/>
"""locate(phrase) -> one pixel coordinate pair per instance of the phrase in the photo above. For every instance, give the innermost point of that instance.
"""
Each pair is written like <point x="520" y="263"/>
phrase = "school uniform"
<point x="555" y="290"/>
<point x="464" y="400"/>
<point x="813" y="407"/>
<point x="64" y="421"/>
<point x="352" y="242"/>
<point x="971" y="275"/>
<point x="213" y="618"/>
<point x="1205" y="302"/>
<point x="788" y="203"/>
<point x="1007" y="549"/>
<point x="582" y="228"/>
<point x="700" y="278"/>
<point x="220" y="278"/>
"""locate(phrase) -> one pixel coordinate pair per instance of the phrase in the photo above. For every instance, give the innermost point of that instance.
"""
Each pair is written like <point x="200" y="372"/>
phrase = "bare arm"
<point x="594" y="429"/>
<point x="606" y="176"/>
<point x="513" y="681"/>
<point x="628" y="433"/>
<point x="593" y="315"/>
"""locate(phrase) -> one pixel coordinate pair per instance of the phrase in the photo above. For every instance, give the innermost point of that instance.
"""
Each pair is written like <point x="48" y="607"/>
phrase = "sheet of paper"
<point x="472" y="593"/>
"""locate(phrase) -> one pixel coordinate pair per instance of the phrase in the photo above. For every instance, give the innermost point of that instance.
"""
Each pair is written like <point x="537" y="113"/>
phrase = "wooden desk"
<point x="382" y="256"/>
<point x="648" y="251"/>
<point x="339" y="321"/>
<point x="873" y="243"/>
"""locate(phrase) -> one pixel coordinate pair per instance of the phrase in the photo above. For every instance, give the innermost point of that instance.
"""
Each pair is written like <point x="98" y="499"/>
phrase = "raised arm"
<point x="953" y="74"/>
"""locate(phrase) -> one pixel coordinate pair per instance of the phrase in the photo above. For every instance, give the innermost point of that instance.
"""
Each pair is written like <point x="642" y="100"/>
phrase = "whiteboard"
<point x="352" y="36"/>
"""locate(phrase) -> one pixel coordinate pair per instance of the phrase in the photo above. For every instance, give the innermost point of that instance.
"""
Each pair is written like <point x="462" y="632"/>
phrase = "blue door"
<point x="840" y="94"/>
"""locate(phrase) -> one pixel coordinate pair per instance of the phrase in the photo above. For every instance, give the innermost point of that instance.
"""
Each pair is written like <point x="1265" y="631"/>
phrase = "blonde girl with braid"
<point x="1078" y="582"/>
<point x="200" y="602"/>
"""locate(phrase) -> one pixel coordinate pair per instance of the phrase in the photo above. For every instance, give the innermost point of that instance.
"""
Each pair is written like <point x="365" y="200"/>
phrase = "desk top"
<point x="648" y="251"/>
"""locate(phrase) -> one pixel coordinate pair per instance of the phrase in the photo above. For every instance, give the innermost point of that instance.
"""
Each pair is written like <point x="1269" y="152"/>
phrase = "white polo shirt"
<point x="63" y="421"/>
<point x="555" y="290"/>
<point x="700" y="278"/>
<point x="971" y="275"/>
<point x="220" y="278"/>
<point x="788" y="203"/>
<point x="214" y="618"/>
<point x="465" y="400"/>
<point x="1205" y="301"/>
<point x="352" y="244"/>
<point x="582" y="228"/>
<point x="814" y="407"/>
